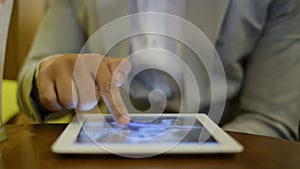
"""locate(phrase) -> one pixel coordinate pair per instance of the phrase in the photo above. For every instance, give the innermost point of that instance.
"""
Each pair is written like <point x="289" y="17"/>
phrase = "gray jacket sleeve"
<point x="56" y="35"/>
<point x="271" y="92"/>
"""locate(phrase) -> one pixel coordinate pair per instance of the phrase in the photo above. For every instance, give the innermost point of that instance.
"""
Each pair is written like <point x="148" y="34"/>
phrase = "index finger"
<point x="111" y="93"/>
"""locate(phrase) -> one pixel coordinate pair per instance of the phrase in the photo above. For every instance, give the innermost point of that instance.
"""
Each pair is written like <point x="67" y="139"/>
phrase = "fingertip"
<point x="123" y="120"/>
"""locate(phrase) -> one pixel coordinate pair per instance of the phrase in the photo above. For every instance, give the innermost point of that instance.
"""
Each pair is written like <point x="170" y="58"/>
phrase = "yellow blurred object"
<point x="67" y="118"/>
<point x="10" y="107"/>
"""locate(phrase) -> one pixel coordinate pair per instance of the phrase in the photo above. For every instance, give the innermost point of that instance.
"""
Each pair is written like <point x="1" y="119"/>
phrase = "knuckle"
<point x="107" y="88"/>
<point x="110" y="89"/>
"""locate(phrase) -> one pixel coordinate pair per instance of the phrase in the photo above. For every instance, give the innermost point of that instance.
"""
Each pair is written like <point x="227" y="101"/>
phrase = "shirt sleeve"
<point x="60" y="32"/>
<point x="271" y="92"/>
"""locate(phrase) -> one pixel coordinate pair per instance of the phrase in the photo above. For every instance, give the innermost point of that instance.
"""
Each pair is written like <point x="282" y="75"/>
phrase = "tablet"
<point x="145" y="135"/>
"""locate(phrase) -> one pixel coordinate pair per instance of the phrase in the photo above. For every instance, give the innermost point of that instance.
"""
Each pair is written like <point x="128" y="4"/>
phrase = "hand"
<point x="71" y="81"/>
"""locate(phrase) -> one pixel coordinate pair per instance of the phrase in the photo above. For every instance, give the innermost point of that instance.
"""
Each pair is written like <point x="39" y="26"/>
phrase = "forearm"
<point x="271" y="93"/>
<point x="257" y="123"/>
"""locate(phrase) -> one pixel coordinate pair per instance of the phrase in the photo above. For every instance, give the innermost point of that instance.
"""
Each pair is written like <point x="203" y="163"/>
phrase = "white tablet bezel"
<point x="65" y="144"/>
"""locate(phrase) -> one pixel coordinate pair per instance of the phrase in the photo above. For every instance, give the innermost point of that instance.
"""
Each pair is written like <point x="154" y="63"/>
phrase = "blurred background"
<point x="27" y="14"/>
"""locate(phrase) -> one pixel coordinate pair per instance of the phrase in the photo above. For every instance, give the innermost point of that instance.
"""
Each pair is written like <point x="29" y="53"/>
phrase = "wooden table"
<point x="28" y="146"/>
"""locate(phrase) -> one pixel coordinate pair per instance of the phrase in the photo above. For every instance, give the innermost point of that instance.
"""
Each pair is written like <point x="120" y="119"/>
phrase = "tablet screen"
<point x="142" y="129"/>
